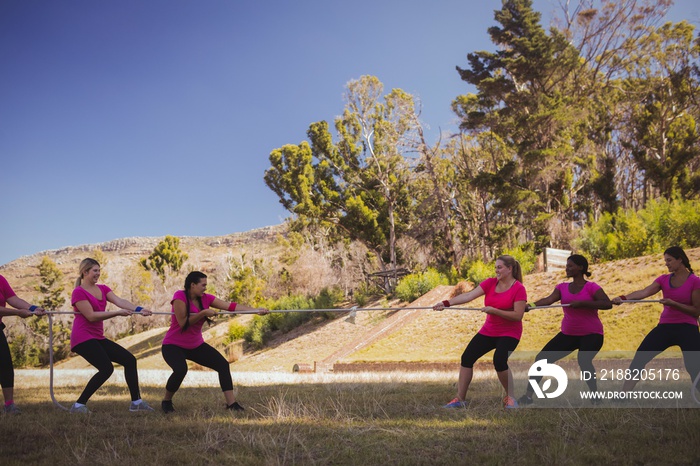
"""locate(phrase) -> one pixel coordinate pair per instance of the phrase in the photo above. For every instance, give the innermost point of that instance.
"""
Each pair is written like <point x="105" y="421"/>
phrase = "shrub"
<point x="258" y="331"/>
<point x="629" y="233"/>
<point x="525" y="255"/>
<point x="478" y="271"/>
<point x="412" y="286"/>
<point x="236" y="331"/>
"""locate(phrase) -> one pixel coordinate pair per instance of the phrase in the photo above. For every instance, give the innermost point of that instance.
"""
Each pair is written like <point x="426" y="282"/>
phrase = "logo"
<point x="541" y="369"/>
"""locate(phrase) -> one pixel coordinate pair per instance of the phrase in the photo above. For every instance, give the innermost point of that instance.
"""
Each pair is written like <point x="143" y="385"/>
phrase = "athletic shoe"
<point x="509" y="402"/>
<point x="167" y="406"/>
<point x="143" y="406"/>
<point x="235" y="407"/>
<point x="12" y="409"/>
<point x="456" y="403"/>
<point x="79" y="410"/>
<point x="525" y="400"/>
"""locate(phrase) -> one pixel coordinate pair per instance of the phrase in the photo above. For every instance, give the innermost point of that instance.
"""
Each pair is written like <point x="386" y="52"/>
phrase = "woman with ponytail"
<point x="89" y="300"/>
<point x="505" y="299"/>
<point x="678" y="324"/>
<point x="581" y="328"/>
<point x="192" y="307"/>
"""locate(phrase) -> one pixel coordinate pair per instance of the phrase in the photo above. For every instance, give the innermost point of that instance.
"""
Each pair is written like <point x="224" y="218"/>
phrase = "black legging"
<point x="562" y="345"/>
<point x="101" y="354"/>
<point x="664" y="336"/>
<point x="481" y="344"/>
<point x="204" y="355"/>
<point x="7" y="371"/>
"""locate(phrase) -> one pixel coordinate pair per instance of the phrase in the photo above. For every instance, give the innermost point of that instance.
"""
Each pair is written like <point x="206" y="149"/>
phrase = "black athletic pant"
<point x="481" y="344"/>
<point x="101" y="354"/>
<point x="204" y="355"/>
<point x="7" y="371"/>
<point x="563" y="345"/>
<point x="664" y="336"/>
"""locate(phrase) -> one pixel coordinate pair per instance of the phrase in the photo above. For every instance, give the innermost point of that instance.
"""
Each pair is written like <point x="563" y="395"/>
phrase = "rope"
<point x="53" y="398"/>
<point x="632" y="301"/>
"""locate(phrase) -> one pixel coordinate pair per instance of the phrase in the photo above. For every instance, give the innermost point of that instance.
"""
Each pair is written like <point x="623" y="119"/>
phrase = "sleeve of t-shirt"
<point x="105" y="290"/>
<point x="207" y="299"/>
<point x="520" y="293"/>
<point x="662" y="281"/>
<point x="5" y="288"/>
<point x="695" y="284"/>
<point x="178" y="296"/>
<point x="78" y="294"/>
<point x="488" y="284"/>
<point x="593" y="288"/>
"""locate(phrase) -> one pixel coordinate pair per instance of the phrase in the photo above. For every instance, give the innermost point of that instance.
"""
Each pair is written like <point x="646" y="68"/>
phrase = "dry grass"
<point x="360" y="419"/>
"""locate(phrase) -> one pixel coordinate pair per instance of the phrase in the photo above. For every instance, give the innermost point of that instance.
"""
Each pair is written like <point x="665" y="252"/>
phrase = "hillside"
<point x="424" y="336"/>
<point x="439" y="338"/>
<point x="120" y="270"/>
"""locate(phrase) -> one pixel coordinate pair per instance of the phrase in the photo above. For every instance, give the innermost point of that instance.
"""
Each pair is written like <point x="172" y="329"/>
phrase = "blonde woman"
<point x="87" y="338"/>
<point x="505" y="299"/>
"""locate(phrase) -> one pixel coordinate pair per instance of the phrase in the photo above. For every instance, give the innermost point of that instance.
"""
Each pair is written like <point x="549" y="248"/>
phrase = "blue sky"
<point x="123" y="118"/>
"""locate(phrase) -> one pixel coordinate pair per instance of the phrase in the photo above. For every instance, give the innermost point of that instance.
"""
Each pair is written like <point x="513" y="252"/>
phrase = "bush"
<point x="236" y="331"/>
<point x="629" y="233"/>
<point x="364" y="291"/>
<point x="415" y="285"/>
<point x="525" y="255"/>
<point x="478" y="271"/>
<point x="258" y="331"/>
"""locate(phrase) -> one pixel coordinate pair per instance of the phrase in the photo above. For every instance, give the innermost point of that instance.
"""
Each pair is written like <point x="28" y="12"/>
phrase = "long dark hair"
<point x="677" y="252"/>
<point x="192" y="279"/>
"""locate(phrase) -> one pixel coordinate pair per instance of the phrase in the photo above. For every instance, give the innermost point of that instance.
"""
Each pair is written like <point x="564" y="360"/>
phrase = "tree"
<point x="50" y="287"/>
<point x="246" y="282"/>
<point x="358" y="187"/>
<point x="166" y="255"/>
<point x="34" y="344"/>
<point x="663" y="135"/>
<point x="525" y="101"/>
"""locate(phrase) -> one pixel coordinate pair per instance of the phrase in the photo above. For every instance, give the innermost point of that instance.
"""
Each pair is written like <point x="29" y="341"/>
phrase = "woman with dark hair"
<point x="581" y="328"/>
<point x="678" y="323"/>
<point x="7" y="371"/>
<point x="184" y="341"/>
<point x="87" y="338"/>
<point x="504" y="303"/>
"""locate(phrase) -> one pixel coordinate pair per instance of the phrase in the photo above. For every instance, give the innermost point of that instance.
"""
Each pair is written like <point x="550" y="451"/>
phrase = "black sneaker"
<point x="235" y="407"/>
<point x="525" y="400"/>
<point x="167" y="406"/>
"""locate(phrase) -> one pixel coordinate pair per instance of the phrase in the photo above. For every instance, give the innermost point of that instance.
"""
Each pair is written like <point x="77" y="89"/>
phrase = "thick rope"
<point x="53" y="398"/>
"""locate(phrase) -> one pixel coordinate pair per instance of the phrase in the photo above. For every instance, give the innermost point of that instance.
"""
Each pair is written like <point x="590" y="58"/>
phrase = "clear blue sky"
<point x="124" y="118"/>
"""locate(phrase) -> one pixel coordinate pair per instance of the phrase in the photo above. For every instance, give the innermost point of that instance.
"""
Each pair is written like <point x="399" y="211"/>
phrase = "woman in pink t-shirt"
<point x="89" y="300"/>
<point x="184" y="341"/>
<point x="581" y="328"/>
<point x="678" y="324"/>
<point x="7" y="371"/>
<point x="505" y="299"/>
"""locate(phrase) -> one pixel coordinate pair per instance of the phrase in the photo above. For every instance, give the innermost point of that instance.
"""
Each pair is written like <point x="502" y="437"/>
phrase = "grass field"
<point x="355" y="418"/>
<point x="390" y="418"/>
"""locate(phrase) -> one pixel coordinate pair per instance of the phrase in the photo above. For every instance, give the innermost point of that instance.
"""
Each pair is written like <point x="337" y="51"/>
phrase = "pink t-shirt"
<point x="497" y="326"/>
<point x="83" y="329"/>
<point x="192" y="337"/>
<point x="580" y="321"/>
<point x="683" y="294"/>
<point x="6" y="293"/>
